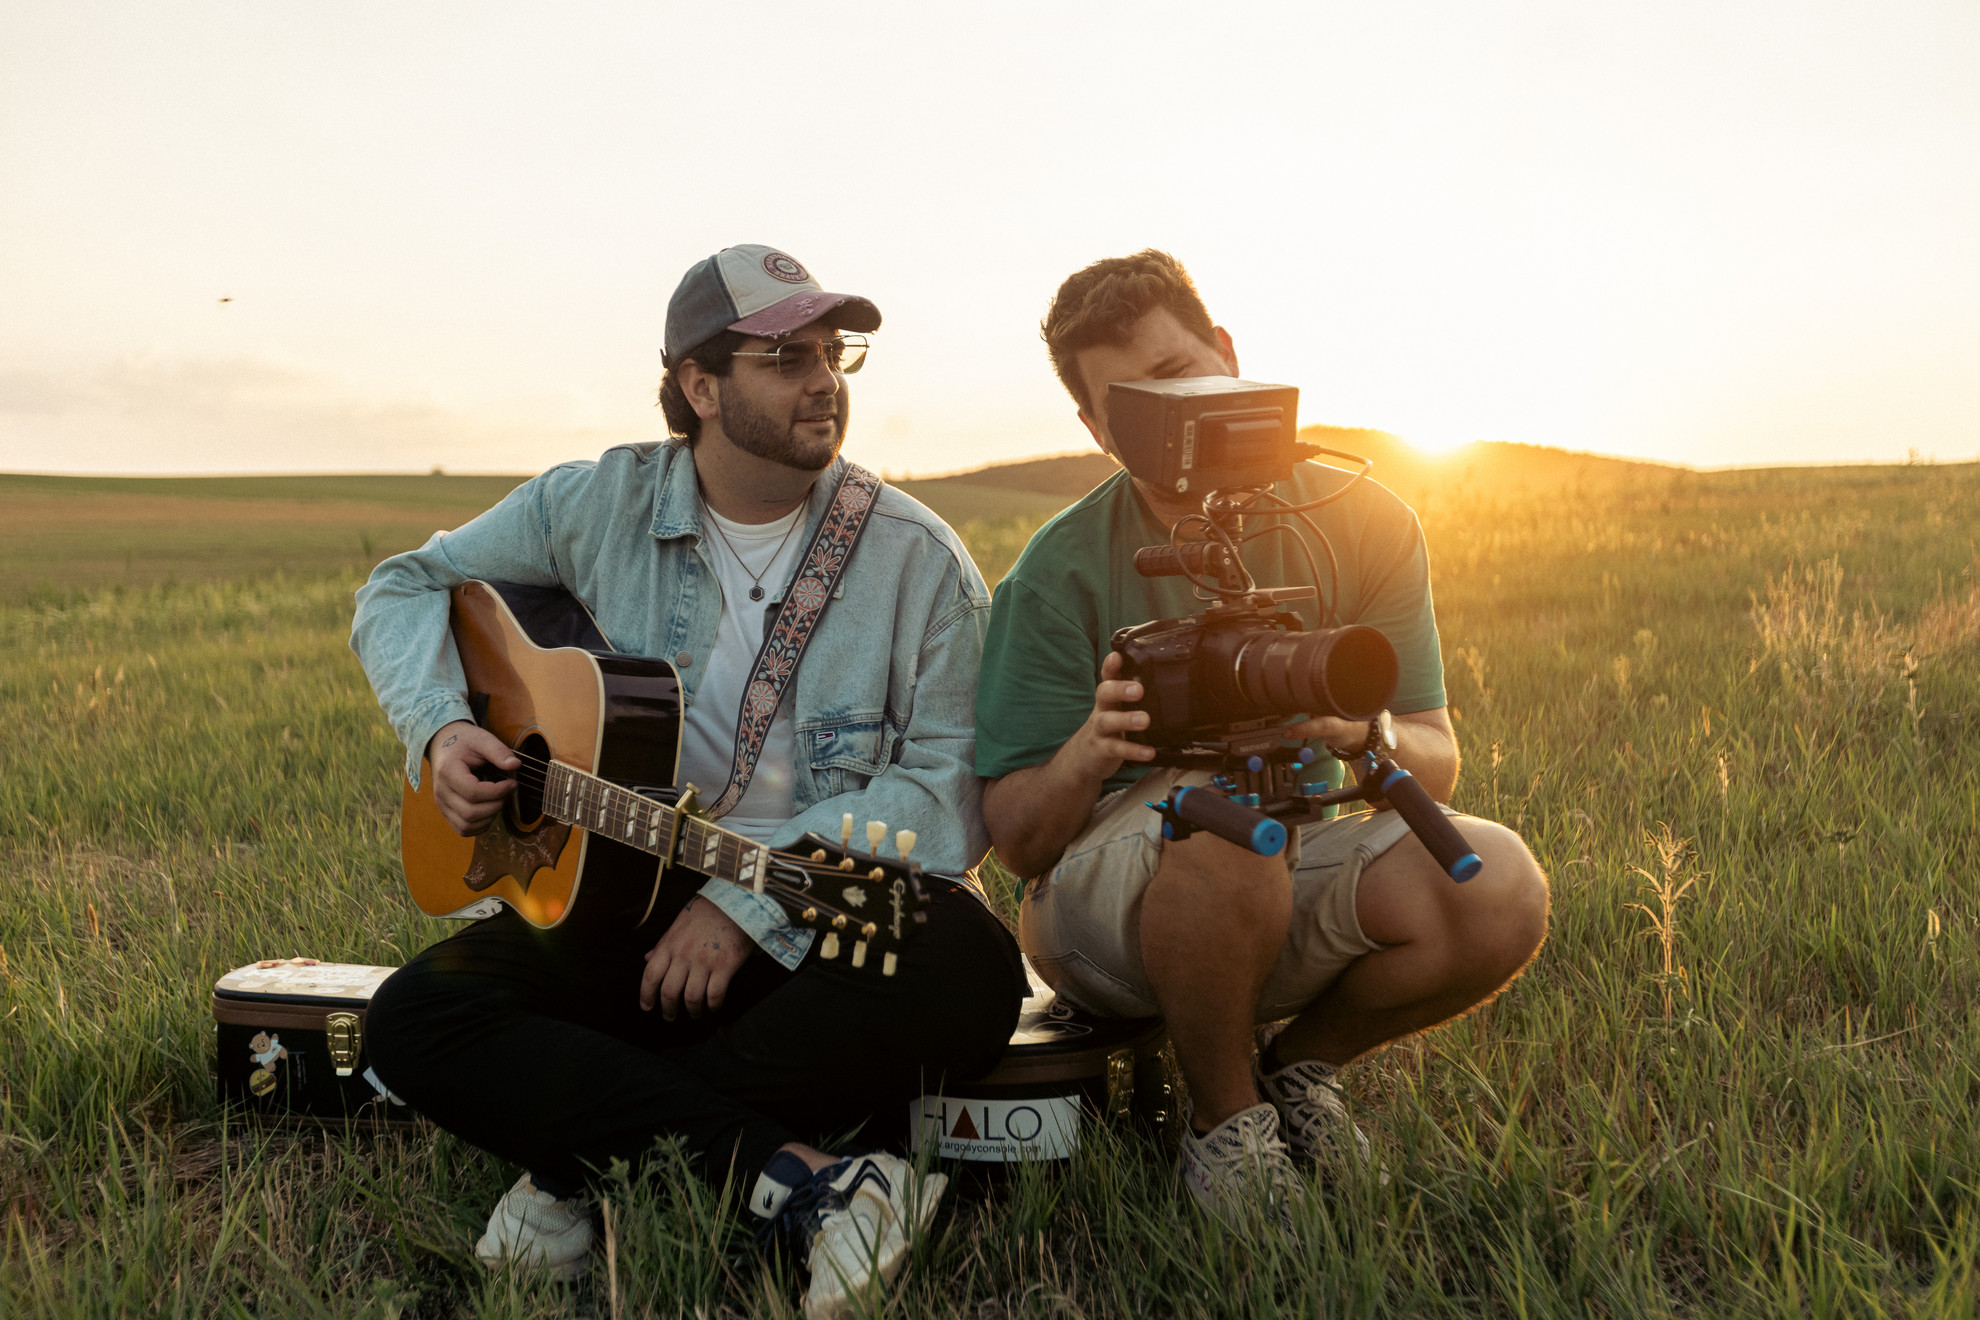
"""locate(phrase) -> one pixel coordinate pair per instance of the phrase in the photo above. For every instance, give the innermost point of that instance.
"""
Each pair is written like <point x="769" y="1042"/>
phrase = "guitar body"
<point x="543" y="679"/>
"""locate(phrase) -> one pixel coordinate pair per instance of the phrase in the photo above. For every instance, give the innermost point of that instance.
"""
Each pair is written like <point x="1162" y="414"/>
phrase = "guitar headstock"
<point x="865" y="899"/>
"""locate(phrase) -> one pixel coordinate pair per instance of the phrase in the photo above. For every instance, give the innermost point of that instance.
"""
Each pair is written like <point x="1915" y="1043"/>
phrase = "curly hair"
<point x="715" y="356"/>
<point x="1101" y="304"/>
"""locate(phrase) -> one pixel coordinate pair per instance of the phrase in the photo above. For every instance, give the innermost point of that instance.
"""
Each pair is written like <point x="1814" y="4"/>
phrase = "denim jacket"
<point x="883" y="703"/>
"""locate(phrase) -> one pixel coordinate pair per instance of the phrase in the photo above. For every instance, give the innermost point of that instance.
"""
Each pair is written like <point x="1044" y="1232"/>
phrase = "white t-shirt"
<point x="708" y="742"/>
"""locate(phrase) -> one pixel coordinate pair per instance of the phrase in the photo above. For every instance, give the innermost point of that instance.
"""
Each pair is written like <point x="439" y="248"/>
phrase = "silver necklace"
<point x="755" y="579"/>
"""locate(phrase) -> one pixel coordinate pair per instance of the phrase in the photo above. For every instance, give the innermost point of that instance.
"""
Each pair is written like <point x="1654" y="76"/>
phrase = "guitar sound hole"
<point x="527" y="804"/>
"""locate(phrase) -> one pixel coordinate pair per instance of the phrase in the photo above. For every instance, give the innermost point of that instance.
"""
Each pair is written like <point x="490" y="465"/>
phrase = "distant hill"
<point x="1033" y="489"/>
<point x="1041" y="486"/>
<point x="1502" y="467"/>
<point x="1069" y="475"/>
<point x="69" y="533"/>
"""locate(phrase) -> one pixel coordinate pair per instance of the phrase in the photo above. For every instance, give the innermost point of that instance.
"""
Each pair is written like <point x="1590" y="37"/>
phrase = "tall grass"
<point x="1748" y="1088"/>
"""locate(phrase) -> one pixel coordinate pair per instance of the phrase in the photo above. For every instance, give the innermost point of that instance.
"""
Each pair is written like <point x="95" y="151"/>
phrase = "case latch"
<point x="1120" y="1084"/>
<point x="346" y="1036"/>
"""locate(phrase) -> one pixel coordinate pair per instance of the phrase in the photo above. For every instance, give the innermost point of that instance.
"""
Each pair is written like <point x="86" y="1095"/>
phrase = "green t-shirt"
<point x="1053" y="616"/>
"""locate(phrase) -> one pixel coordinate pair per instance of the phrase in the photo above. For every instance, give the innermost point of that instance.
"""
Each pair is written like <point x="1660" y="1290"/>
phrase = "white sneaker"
<point x="854" y="1221"/>
<point x="532" y="1229"/>
<point x="1313" y="1113"/>
<point x="1241" y="1170"/>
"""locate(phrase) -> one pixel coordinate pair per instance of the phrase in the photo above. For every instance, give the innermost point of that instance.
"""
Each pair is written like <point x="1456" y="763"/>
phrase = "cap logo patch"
<point x="780" y="267"/>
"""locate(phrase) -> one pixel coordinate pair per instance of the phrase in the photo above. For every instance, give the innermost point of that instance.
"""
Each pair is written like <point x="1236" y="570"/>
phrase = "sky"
<point x="1706" y="233"/>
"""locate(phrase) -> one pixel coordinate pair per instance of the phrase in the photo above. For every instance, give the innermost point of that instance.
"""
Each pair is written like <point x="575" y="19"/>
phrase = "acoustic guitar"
<point x="597" y="824"/>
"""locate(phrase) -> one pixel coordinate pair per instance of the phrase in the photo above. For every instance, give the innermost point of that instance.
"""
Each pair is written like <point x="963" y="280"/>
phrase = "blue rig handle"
<point x="1430" y="824"/>
<point x="1210" y="810"/>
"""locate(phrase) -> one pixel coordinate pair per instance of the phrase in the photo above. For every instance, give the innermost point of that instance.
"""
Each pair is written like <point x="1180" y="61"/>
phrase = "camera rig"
<point x="1220" y="685"/>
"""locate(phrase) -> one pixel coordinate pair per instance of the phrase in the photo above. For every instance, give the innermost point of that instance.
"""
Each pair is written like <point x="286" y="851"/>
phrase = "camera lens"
<point x="1345" y="672"/>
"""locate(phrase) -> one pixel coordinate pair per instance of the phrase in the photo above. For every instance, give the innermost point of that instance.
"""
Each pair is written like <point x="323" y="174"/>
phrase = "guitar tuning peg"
<point x="859" y="954"/>
<point x="830" y="948"/>
<point x="876" y="830"/>
<point x="846" y="830"/>
<point x="905" y="841"/>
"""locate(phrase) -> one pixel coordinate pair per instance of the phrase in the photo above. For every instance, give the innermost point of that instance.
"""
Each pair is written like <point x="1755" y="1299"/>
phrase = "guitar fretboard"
<point x="582" y="799"/>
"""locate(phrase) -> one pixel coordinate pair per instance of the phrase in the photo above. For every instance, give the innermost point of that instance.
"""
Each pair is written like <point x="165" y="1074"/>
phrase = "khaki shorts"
<point x="1081" y="921"/>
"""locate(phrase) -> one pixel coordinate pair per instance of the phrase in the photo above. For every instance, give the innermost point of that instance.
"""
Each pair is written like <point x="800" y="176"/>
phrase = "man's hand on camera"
<point x="1035" y="812"/>
<point x="1331" y="730"/>
<point x="1426" y="745"/>
<point x="466" y="800"/>
<point x="1102" y="743"/>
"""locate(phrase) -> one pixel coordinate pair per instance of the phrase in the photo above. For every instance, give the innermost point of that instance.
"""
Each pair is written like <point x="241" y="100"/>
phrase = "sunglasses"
<point x="844" y="354"/>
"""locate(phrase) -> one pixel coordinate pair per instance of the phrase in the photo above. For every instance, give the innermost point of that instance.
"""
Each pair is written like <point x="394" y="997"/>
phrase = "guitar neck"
<point x="829" y="889"/>
<point x="578" y="798"/>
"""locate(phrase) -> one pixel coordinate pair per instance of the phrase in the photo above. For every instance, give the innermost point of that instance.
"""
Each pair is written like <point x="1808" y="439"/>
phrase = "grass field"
<point x="1732" y="713"/>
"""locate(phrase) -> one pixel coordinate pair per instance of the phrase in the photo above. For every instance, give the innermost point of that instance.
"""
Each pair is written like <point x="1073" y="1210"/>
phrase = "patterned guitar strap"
<point x="811" y="590"/>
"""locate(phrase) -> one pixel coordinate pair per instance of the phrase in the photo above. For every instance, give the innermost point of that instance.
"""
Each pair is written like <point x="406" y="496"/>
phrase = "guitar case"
<point x="1064" y="1071"/>
<point x="291" y="1047"/>
<point x="291" y="1042"/>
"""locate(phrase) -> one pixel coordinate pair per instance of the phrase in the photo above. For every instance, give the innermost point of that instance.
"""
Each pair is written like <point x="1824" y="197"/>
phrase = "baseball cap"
<point x="755" y="290"/>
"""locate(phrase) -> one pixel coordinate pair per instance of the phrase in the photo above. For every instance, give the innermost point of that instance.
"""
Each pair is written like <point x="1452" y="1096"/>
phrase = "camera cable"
<point x="1281" y="506"/>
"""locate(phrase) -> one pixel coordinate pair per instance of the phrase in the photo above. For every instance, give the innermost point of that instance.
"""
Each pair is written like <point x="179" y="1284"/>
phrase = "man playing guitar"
<point x="715" y="1020"/>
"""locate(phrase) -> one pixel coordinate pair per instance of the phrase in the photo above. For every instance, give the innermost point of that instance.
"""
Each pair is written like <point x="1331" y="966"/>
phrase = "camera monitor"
<point x="1204" y="433"/>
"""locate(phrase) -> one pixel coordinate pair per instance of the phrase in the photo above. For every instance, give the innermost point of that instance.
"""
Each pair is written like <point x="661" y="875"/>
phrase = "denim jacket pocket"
<point x="846" y="753"/>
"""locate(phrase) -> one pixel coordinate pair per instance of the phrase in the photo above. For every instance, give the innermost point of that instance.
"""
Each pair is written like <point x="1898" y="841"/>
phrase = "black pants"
<point x="536" y="1050"/>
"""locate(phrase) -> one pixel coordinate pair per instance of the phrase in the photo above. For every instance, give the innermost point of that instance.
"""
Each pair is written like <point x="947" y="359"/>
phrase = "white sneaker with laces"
<point x="1241" y="1170"/>
<point x="854" y="1221"/>
<point x="534" y="1230"/>
<point x="1313" y="1113"/>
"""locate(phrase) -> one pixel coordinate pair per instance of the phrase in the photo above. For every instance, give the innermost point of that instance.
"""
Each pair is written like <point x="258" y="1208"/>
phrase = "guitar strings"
<point x="538" y="778"/>
<point x="798" y="898"/>
<point x="540" y="782"/>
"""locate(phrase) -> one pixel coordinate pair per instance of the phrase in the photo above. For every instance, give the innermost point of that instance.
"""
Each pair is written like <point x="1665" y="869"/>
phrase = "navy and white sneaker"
<point x="1313" y="1112"/>
<point x="853" y="1222"/>
<point x="1241" y="1172"/>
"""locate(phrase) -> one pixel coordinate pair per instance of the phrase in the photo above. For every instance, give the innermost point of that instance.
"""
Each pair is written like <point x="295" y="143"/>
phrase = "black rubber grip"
<point x="1210" y="810"/>
<point x="1199" y="557"/>
<point x="1429" y="823"/>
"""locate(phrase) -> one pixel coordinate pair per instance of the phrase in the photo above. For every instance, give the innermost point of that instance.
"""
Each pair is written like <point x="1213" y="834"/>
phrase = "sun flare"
<point x="1436" y="444"/>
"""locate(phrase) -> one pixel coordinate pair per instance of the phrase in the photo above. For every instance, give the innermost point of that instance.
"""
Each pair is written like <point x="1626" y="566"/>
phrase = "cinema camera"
<point x="1219" y="685"/>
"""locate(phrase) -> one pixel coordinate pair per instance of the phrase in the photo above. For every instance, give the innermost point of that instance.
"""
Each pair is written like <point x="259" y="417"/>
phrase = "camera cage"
<point x="1235" y="440"/>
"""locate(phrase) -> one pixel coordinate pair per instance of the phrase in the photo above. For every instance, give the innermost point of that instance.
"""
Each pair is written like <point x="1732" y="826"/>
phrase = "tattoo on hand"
<point x="451" y="741"/>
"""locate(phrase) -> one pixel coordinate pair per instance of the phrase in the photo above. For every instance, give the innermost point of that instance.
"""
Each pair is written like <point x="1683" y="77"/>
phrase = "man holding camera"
<point x="1354" y="932"/>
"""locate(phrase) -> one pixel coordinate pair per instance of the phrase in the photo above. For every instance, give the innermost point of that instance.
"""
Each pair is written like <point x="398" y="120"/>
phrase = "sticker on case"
<point x="267" y="1050"/>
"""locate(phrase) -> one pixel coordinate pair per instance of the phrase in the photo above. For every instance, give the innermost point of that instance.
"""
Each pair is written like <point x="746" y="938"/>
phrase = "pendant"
<point x="756" y="593"/>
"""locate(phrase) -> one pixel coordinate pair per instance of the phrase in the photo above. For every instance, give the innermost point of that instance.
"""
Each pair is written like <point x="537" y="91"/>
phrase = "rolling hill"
<point x="70" y="533"/>
<point x="1049" y="484"/>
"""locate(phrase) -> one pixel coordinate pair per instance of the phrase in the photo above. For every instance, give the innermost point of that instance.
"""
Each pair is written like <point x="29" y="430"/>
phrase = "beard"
<point x="756" y="432"/>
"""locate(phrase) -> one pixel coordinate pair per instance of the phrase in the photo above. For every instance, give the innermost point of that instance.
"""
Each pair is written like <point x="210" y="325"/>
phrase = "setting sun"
<point x="1435" y="444"/>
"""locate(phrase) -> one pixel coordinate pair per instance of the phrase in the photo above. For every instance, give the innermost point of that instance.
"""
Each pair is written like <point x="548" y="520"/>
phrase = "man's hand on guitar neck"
<point x="693" y="961"/>
<point x="466" y="799"/>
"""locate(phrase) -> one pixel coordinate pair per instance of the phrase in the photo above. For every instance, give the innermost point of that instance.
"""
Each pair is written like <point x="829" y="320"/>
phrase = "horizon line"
<point x="1435" y="459"/>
